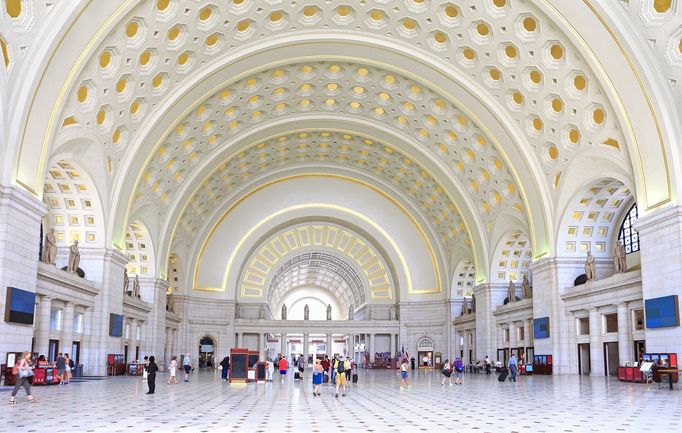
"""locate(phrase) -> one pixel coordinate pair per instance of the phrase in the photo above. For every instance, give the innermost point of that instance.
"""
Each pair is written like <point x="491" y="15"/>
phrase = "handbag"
<point x="24" y="373"/>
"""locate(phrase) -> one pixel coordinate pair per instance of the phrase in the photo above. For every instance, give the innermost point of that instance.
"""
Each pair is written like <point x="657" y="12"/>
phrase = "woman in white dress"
<point x="270" y="370"/>
<point x="173" y="370"/>
<point x="67" y="366"/>
<point x="144" y="369"/>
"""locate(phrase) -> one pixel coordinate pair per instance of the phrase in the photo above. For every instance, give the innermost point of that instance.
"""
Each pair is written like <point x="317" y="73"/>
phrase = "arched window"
<point x="628" y="236"/>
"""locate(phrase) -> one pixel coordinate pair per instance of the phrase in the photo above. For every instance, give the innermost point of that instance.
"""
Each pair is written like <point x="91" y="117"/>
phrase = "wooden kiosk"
<point x="254" y="357"/>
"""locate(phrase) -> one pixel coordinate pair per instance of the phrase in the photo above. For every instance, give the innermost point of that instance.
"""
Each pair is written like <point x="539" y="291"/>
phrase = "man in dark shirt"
<point x="61" y="367"/>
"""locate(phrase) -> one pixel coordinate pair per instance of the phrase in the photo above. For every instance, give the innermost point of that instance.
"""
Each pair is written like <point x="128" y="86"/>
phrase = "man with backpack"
<point x="459" y="371"/>
<point x="60" y="363"/>
<point x="340" y="369"/>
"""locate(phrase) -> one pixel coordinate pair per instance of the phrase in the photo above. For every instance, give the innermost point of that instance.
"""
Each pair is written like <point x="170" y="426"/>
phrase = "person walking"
<point x="173" y="370"/>
<point x="60" y="363"/>
<point x="349" y="370"/>
<point x="187" y="365"/>
<point x="333" y="370"/>
<point x="22" y="370"/>
<point x="447" y="372"/>
<point x="340" y="368"/>
<point x="301" y="365"/>
<point x="403" y="373"/>
<point x="144" y="369"/>
<point x="270" y="369"/>
<point x="487" y="365"/>
<point x="283" y="368"/>
<point x="67" y="368"/>
<point x="152" y="368"/>
<point x="513" y="368"/>
<point x="459" y="371"/>
<point x="225" y="368"/>
<point x="318" y="372"/>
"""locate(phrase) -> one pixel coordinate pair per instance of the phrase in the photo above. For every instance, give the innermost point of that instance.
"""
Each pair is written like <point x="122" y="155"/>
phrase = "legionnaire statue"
<point x="136" y="287"/>
<point x="590" y="267"/>
<point x="74" y="258"/>
<point x="329" y="311"/>
<point x="306" y="312"/>
<point x="473" y="303"/>
<point x="511" y="291"/>
<point x="170" y="302"/>
<point x="527" y="289"/>
<point x="126" y="283"/>
<point x="50" y="247"/>
<point x="619" y="258"/>
<point x="284" y="312"/>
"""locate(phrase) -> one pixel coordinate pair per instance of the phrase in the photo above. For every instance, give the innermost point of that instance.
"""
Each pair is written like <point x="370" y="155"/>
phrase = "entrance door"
<point x="206" y="348"/>
<point x="53" y="350"/>
<point x="503" y="356"/>
<point x="125" y="353"/>
<point x="640" y="349"/>
<point x="611" y="361"/>
<point x="76" y="352"/>
<point x="584" y="358"/>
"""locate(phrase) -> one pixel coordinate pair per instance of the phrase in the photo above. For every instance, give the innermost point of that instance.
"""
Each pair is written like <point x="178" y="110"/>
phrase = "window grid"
<point x="627" y="235"/>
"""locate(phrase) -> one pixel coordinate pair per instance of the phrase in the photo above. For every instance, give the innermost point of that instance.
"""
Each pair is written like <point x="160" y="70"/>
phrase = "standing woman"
<point x="318" y="371"/>
<point x="24" y="370"/>
<point x="447" y="372"/>
<point x="67" y="368"/>
<point x="173" y="370"/>
<point x="144" y="368"/>
<point x="152" y="368"/>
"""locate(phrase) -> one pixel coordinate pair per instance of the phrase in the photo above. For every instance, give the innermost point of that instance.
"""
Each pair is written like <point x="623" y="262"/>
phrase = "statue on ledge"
<point x="590" y="267"/>
<point x="74" y="258"/>
<point x="511" y="292"/>
<point x="284" y="311"/>
<point x="527" y="289"/>
<point x="306" y="312"/>
<point x="473" y="303"/>
<point x="350" y="312"/>
<point x="50" y="247"/>
<point x="136" y="287"/>
<point x="126" y="283"/>
<point x="329" y="311"/>
<point x="170" y="302"/>
<point x="619" y="258"/>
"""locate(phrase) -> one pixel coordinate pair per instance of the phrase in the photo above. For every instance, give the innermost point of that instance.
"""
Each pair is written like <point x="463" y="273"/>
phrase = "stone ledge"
<point x="66" y="280"/>
<point x="512" y="307"/>
<point x="607" y="285"/>
<point x="137" y="305"/>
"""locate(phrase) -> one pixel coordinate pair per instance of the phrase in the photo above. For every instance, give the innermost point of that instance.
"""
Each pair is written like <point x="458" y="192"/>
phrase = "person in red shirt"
<point x="283" y="368"/>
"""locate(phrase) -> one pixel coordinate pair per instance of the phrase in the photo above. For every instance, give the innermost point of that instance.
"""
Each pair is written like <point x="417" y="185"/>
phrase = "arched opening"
<point x="207" y="349"/>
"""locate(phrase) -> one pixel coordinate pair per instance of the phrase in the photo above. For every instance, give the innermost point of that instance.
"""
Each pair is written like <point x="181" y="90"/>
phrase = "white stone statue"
<point x="619" y="258"/>
<point x="284" y="312"/>
<point x="350" y="312"/>
<point x="136" y="287"/>
<point x="590" y="267"/>
<point x="74" y="258"/>
<point x="170" y="302"/>
<point x="306" y="312"/>
<point x="473" y="303"/>
<point x="50" y="247"/>
<point x="511" y="291"/>
<point x="527" y="289"/>
<point x="126" y="283"/>
<point x="329" y="312"/>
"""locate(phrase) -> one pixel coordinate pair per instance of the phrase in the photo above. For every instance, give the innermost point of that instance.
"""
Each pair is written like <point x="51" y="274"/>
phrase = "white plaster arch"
<point x="463" y="280"/>
<point x="139" y="248"/>
<point x="512" y="258"/>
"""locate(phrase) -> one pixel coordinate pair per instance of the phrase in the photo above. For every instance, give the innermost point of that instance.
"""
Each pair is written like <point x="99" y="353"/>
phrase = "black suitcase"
<point x="297" y="376"/>
<point x="503" y="375"/>
<point x="355" y="378"/>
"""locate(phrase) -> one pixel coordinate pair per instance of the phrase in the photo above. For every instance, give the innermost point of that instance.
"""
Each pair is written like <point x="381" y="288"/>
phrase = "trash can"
<point x="412" y="362"/>
<point x="77" y="370"/>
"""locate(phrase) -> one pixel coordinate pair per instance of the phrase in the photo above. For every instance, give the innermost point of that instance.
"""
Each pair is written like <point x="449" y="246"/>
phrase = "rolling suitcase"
<point x="503" y="375"/>
<point x="297" y="376"/>
<point x="355" y="378"/>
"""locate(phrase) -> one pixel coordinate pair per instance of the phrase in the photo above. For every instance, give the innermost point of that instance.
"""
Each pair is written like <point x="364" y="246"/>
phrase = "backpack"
<point x="340" y="367"/>
<point x="71" y="363"/>
<point x="459" y="367"/>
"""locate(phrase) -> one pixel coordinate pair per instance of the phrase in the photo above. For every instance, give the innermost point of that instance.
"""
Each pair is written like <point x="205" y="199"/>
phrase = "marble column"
<point x="465" y="347"/>
<point x="392" y="345"/>
<point x="42" y="334"/>
<point x="330" y="343"/>
<point x="283" y="344"/>
<point x="132" y="342"/>
<point x="513" y="337"/>
<point x="371" y="347"/>
<point x="263" y="338"/>
<point x="596" y="347"/>
<point x="174" y="337"/>
<point x="528" y="333"/>
<point x="625" y="342"/>
<point x="167" y="354"/>
<point x="66" y="340"/>
<point x="306" y="348"/>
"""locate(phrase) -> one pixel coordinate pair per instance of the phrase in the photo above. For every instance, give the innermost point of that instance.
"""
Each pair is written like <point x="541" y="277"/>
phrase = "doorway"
<point x="584" y="359"/>
<point x="611" y="361"/>
<point x="206" y="351"/>
<point x="76" y="352"/>
<point x="640" y="350"/>
<point x="53" y="350"/>
<point x="503" y="356"/>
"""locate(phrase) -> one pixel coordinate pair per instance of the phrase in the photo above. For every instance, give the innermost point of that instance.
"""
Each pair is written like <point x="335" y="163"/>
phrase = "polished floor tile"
<point x="376" y="404"/>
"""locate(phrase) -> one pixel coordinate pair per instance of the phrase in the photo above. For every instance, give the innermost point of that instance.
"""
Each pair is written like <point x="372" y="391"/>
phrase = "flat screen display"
<point x="20" y="306"/>
<point x="115" y="325"/>
<point x="238" y="365"/>
<point x="253" y="359"/>
<point x="662" y="312"/>
<point x="260" y="371"/>
<point x="541" y="327"/>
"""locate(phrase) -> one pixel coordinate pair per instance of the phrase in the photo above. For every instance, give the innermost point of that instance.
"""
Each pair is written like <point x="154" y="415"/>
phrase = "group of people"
<point x="150" y="369"/>
<point x="456" y="367"/>
<point x="23" y="370"/>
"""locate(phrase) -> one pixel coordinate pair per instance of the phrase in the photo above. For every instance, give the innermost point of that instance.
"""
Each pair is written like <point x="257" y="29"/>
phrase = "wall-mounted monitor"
<point x="541" y="327"/>
<point x="115" y="325"/>
<point x="662" y="312"/>
<point x="20" y="306"/>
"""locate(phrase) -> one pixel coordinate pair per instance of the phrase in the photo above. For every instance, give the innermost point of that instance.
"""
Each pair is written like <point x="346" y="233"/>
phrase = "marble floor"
<point x="375" y="404"/>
